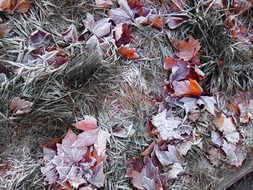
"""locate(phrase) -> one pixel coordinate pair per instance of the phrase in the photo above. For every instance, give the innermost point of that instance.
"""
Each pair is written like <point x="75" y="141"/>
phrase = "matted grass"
<point x="115" y="92"/>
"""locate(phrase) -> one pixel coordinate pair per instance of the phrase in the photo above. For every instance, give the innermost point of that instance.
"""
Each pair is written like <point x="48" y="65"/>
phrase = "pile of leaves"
<point x="76" y="161"/>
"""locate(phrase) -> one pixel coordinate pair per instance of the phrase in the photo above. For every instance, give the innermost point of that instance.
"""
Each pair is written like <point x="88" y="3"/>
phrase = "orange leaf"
<point x="187" y="87"/>
<point x="128" y="53"/>
<point x="169" y="62"/>
<point x="157" y="22"/>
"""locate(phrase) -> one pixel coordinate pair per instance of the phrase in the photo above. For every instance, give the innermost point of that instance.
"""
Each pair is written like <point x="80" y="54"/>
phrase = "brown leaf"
<point x="156" y="21"/>
<point x="7" y="5"/>
<point x="19" y="106"/>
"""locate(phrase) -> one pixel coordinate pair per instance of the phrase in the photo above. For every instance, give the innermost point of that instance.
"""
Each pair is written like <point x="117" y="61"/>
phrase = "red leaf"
<point x="89" y="123"/>
<point x="128" y="53"/>
<point x="187" y="87"/>
<point x="122" y="34"/>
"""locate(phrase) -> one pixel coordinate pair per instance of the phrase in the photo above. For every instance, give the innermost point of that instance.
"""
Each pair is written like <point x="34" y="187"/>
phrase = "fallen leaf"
<point x="22" y="6"/>
<point x="4" y="29"/>
<point x="128" y="53"/>
<point x="103" y="3"/>
<point x="216" y="138"/>
<point x="40" y="38"/>
<point x="20" y="106"/>
<point x="156" y="21"/>
<point x="176" y="5"/>
<point x="89" y="123"/>
<point x="98" y="28"/>
<point x="235" y="154"/>
<point x="187" y="87"/>
<point x="121" y="14"/>
<point x="208" y="102"/>
<point x="74" y="163"/>
<point x="165" y="125"/>
<point x="215" y="156"/>
<point x="170" y="156"/>
<point x="70" y="35"/>
<point x="246" y="111"/>
<point x="184" y="147"/>
<point x="175" y="21"/>
<point x="119" y="132"/>
<point x="122" y="34"/>
<point x="186" y="50"/>
<point x="175" y="170"/>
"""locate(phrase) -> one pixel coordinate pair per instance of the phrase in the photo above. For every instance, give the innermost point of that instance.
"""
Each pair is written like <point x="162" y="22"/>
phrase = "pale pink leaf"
<point x="165" y="126"/>
<point x="175" y="171"/>
<point x="89" y="123"/>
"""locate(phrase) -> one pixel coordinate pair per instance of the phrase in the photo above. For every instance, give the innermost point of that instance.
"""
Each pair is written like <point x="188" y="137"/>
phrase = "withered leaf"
<point x="187" y="50"/>
<point x="235" y="153"/>
<point x="170" y="156"/>
<point x="121" y="14"/>
<point x="103" y="3"/>
<point x="89" y="123"/>
<point x="187" y="87"/>
<point x="99" y="28"/>
<point x="128" y="53"/>
<point x="175" y="170"/>
<point x="20" y="106"/>
<point x="70" y="35"/>
<point x="165" y="126"/>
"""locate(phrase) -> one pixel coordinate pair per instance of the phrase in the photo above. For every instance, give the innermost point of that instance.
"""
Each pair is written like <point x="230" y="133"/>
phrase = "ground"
<point x="119" y="91"/>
